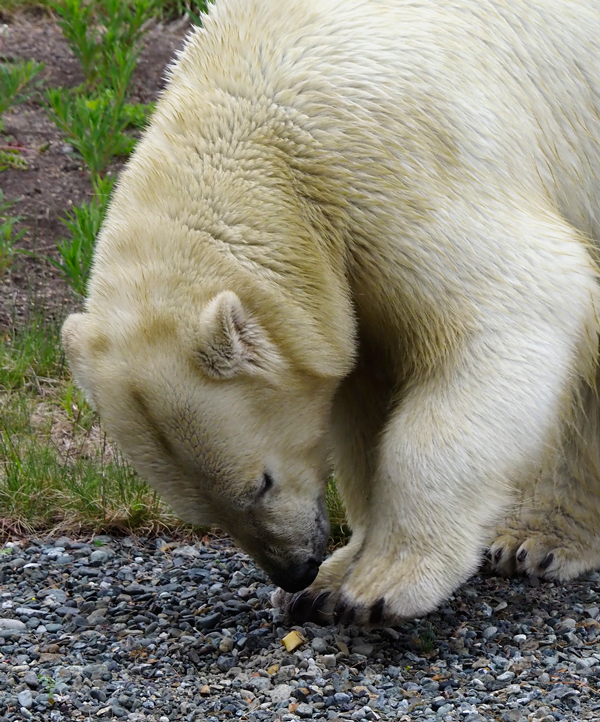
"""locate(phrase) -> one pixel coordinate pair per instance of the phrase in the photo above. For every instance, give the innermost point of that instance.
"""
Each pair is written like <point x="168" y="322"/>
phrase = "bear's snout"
<point x="297" y="577"/>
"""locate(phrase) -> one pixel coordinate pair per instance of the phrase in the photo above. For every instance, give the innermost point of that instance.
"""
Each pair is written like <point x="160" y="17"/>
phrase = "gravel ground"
<point x="140" y="629"/>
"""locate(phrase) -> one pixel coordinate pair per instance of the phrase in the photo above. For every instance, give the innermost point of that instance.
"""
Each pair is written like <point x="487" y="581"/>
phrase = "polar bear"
<point x="360" y="236"/>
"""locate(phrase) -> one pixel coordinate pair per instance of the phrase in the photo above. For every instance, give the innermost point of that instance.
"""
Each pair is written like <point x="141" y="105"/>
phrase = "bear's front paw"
<point x="310" y="605"/>
<point x="380" y="592"/>
<point x="316" y="604"/>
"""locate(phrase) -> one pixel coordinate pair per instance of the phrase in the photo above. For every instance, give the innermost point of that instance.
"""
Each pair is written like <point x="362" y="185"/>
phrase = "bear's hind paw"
<point x="560" y="554"/>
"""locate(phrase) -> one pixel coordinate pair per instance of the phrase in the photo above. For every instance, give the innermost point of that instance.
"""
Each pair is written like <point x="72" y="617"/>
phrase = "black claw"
<point x="343" y="613"/>
<point x="497" y="555"/>
<point x="487" y="555"/>
<point x="349" y="616"/>
<point x="339" y="611"/>
<point x="521" y="556"/>
<point x="547" y="561"/>
<point x="300" y="608"/>
<point x="317" y="613"/>
<point x="376" y="615"/>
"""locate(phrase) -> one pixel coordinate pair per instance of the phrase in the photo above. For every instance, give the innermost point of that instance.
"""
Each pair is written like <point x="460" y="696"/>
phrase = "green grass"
<point x="57" y="469"/>
<point x="83" y="222"/>
<point x="17" y="82"/>
<point x="82" y="486"/>
<point x="8" y="235"/>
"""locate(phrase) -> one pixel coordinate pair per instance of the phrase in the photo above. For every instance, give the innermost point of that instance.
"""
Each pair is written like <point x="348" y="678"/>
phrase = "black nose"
<point x="298" y="577"/>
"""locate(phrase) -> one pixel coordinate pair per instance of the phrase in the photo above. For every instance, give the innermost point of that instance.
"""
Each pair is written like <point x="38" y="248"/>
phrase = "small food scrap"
<point x="293" y="640"/>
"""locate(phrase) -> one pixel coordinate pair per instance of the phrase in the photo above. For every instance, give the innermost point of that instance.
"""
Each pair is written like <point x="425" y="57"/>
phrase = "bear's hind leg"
<point x="554" y="532"/>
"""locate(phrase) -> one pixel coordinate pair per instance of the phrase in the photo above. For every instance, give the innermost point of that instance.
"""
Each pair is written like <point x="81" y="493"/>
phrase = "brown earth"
<point x="55" y="177"/>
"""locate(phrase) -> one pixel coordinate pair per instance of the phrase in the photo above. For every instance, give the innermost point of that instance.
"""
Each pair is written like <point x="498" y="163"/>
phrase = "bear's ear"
<point x="232" y="342"/>
<point x="75" y="335"/>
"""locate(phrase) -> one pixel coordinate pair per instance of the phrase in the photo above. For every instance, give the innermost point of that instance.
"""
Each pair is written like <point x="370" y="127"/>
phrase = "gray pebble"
<point x="12" y="624"/>
<point x="31" y="680"/>
<point x="25" y="699"/>
<point x="304" y="710"/>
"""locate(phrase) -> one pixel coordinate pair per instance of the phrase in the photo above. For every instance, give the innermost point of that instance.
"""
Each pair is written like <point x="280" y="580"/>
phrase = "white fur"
<point x="380" y="218"/>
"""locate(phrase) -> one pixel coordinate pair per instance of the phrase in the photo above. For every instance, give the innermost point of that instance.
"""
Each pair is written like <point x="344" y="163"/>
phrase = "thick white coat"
<point x="365" y="230"/>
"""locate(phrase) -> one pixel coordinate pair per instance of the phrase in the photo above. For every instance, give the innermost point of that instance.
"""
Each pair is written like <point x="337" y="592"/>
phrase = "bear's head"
<point x="219" y="421"/>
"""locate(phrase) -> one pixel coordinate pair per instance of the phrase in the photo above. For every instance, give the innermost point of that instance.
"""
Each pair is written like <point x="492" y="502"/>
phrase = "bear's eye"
<point x="266" y="485"/>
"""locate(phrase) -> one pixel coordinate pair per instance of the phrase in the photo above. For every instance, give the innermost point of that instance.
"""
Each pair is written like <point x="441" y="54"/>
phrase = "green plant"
<point x="72" y="400"/>
<point x="425" y="641"/>
<point x="340" y="530"/>
<point x="49" y="685"/>
<point x="177" y="8"/>
<point x="8" y="235"/>
<point x="94" y="126"/>
<point x="104" y="35"/>
<point x="83" y="222"/>
<point x="17" y="82"/>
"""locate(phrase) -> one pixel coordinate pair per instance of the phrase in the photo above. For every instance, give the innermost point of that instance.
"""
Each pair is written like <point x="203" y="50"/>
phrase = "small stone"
<point x="186" y="551"/>
<point x="592" y="612"/>
<point x="519" y="638"/>
<point x="362" y="647"/>
<point x="341" y="698"/>
<point x="319" y="645"/>
<point x="304" y="710"/>
<point x="208" y="621"/>
<point x="25" y="699"/>
<point x="99" y="556"/>
<point x="226" y="644"/>
<point x="565" y="626"/>
<point x="96" y="617"/>
<point x="118" y="711"/>
<point x="586" y="663"/>
<point x="261" y="684"/>
<point x="490" y="632"/>
<point x="31" y="680"/>
<point x="12" y="624"/>
<point x="280" y="693"/>
<point x="506" y="676"/>
<point x="329" y="660"/>
<point x="225" y="663"/>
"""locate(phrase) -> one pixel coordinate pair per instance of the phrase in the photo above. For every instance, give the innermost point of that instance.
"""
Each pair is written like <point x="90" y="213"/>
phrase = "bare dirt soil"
<point x="55" y="177"/>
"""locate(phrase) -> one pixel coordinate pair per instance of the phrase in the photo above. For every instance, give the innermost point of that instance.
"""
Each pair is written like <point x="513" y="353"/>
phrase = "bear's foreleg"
<point x="464" y="435"/>
<point x="358" y="419"/>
